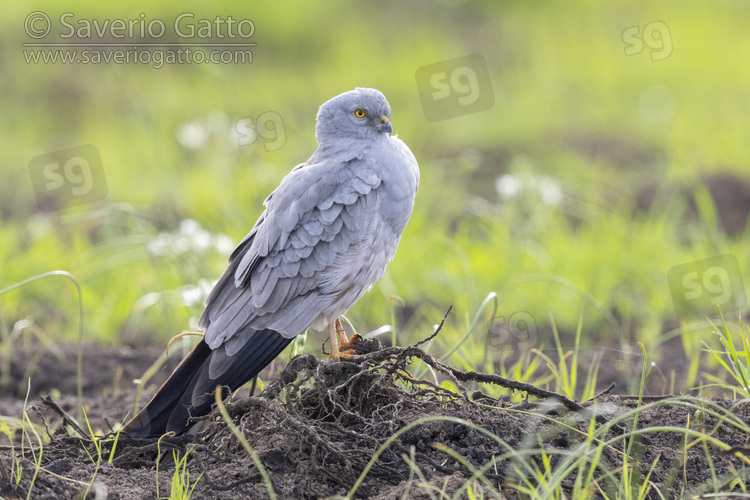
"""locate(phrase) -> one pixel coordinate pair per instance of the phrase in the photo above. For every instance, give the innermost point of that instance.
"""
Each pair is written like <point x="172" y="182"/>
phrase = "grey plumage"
<point x="331" y="218"/>
<point x="324" y="239"/>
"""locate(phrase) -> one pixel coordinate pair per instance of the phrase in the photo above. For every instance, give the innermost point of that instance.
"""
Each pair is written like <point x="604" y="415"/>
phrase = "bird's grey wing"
<point x="272" y="282"/>
<point x="223" y="291"/>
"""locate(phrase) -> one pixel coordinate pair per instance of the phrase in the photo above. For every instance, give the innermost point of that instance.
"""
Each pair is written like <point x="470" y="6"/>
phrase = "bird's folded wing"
<point x="316" y="213"/>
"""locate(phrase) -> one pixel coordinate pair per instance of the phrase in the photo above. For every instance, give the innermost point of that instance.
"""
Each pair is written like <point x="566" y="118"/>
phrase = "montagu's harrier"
<point x="325" y="238"/>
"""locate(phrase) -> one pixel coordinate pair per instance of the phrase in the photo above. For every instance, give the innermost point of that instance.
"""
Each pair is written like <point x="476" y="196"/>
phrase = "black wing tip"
<point x="175" y="406"/>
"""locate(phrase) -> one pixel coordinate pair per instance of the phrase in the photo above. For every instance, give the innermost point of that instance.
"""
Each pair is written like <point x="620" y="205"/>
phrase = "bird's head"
<point x="360" y="113"/>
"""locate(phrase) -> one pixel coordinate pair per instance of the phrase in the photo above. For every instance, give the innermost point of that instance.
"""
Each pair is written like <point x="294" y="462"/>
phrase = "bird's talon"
<point x="355" y="338"/>
<point x="346" y="354"/>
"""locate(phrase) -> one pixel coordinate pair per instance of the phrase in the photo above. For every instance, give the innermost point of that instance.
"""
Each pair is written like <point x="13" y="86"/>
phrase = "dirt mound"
<point x="324" y="428"/>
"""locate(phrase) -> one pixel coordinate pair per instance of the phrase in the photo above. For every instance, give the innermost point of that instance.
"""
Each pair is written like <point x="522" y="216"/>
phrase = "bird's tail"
<point x="189" y="391"/>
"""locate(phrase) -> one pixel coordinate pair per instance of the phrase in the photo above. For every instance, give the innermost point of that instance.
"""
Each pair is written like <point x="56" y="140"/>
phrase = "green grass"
<point x="736" y="362"/>
<point x="593" y="474"/>
<point x="539" y="472"/>
<point x="182" y="488"/>
<point x="249" y="449"/>
<point x="565" y="109"/>
<point x="589" y="271"/>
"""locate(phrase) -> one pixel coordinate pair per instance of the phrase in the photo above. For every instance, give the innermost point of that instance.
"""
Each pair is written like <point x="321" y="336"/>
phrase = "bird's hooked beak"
<point x="385" y="125"/>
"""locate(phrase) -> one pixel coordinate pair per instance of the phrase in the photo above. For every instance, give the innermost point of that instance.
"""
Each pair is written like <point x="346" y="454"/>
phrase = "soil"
<point x="318" y="423"/>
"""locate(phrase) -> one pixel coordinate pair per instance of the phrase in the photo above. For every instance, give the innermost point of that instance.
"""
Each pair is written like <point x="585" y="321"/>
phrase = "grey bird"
<point x="325" y="238"/>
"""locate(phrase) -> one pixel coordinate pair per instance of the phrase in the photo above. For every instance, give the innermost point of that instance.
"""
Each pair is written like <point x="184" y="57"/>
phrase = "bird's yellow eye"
<point x="359" y="113"/>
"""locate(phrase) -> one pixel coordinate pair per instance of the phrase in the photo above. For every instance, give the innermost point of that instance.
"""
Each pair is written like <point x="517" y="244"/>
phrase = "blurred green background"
<point x="593" y="173"/>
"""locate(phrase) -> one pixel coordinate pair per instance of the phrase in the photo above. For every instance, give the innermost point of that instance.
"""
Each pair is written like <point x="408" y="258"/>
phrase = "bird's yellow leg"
<point x="343" y="339"/>
<point x="334" y="339"/>
<point x="345" y="344"/>
<point x="336" y="333"/>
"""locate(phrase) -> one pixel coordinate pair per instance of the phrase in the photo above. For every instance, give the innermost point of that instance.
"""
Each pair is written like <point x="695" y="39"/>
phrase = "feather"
<point x="324" y="238"/>
<point x="329" y="216"/>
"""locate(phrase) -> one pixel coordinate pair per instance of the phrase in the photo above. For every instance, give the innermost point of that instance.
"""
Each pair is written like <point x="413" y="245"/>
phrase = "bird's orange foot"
<point x="347" y="350"/>
<point x="342" y="355"/>
<point x="338" y="337"/>
<point x="341" y="345"/>
<point x="349" y="344"/>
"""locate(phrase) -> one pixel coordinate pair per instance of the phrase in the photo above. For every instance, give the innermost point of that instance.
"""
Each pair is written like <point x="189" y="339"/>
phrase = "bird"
<point x="326" y="235"/>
